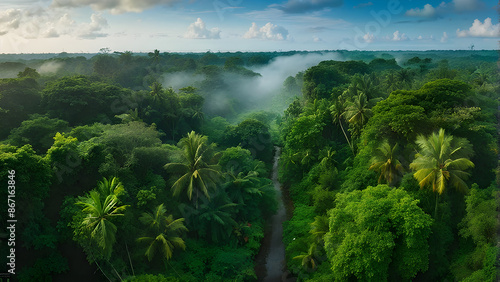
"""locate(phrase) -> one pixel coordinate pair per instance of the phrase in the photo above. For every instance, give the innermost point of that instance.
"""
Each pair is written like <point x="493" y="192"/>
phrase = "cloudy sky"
<point x="41" y="26"/>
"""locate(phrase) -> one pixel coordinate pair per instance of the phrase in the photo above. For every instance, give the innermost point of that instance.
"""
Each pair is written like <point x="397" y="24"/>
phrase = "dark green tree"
<point x="386" y="163"/>
<point x="164" y="233"/>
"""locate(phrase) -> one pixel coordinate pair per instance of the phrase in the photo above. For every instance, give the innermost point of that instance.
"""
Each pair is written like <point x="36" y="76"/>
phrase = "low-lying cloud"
<point x="49" y="67"/>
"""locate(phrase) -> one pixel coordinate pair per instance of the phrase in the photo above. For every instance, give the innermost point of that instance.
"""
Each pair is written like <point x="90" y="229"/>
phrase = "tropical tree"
<point x="338" y="111"/>
<point x="405" y="77"/>
<point x="442" y="162"/>
<point x="199" y="171"/>
<point x="386" y="163"/>
<point x="241" y="187"/>
<point x="157" y="92"/>
<point x="391" y="81"/>
<point x="155" y="56"/>
<point x="164" y="233"/>
<point x="100" y="210"/>
<point x="308" y="259"/>
<point x="365" y="84"/>
<point x="214" y="219"/>
<point x="110" y="187"/>
<point x="319" y="227"/>
<point x="376" y="232"/>
<point x="357" y="112"/>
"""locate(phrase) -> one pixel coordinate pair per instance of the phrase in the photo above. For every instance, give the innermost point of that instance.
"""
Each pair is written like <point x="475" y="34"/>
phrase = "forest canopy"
<point x="158" y="167"/>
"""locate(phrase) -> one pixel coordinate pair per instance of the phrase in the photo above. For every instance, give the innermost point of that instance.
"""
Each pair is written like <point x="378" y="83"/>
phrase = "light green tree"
<point x="100" y="209"/>
<point x="199" y="171"/>
<point x="442" y="162"/>
<point x="377" y="231"/>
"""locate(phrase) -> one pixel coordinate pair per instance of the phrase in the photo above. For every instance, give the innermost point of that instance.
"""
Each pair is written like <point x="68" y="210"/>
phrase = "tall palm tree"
<point x="100" y="211"/>
<point x="386" y="163"/>
<point x="155" y="55"/>
<point x="338" y="110"/>
<point x="165" y="232"/>
<point x="357" y="112"/>
<point x="442" y="162"/>
<point x="199" y="171"/>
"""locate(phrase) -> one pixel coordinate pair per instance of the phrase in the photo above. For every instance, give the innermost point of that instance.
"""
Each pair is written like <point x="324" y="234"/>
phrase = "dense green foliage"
<point x="416" y="127"/>
<point x="155" y="167"/>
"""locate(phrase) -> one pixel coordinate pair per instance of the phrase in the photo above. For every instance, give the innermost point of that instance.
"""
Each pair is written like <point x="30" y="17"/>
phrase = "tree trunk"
<point x="436" y="207"/>
<point x="352" y="149"/>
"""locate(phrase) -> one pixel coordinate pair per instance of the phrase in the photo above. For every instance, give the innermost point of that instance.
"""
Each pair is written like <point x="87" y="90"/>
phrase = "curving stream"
<point x="275" y="260"/>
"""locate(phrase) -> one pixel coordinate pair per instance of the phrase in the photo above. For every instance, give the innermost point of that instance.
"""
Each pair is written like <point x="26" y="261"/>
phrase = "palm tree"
<point x="199" y="171"/>
<point x="442" y="162"/>
<point x="157" y="92"/>
<point x="110" y="187"/>
<point x="386" y="163"/>
<point x="338" y="111"/>
<point x="241" y="187"/>
<point x="319" y="227"/>
<point x="405" y="77"/>
<point x="308" y="258"/>
<point x="327" y="158"/>
<point x="391" y="81"/>
<point x="214" y="219"/>
<point x="100" y="210"/>
<point x="364" y="84"/>
<point x="155" y="55"/>
<point x="165" y="233"/>
<point x="357" y="112"/>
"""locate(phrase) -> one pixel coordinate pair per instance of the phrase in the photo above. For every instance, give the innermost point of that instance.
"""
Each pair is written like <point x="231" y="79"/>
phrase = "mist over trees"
<point x="156" y="167"/>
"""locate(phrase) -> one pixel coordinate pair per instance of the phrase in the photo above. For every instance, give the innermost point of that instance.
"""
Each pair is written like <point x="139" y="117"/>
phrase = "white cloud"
<point x="115" y="6"/>
<point x="198" y="30"/>
<point x="479" y="29"/>
<point x="420" y="37"/>
<point x="444" y="38"/>
<point x="399" y="37"/>
<point x="369" y="38"/>
<point x="268" y="31"/>
<point x="93" y="29"/>
<point x="467" y="5"/>
<point x="428" y="12"/>
<point x="40" y="22"/>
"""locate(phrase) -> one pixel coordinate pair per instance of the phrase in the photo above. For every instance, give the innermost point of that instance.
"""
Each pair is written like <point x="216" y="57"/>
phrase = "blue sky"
<point x="41" y="26"/>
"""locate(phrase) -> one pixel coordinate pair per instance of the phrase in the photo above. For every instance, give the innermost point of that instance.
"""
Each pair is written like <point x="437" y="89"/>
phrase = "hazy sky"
<point x="40" y="26"/>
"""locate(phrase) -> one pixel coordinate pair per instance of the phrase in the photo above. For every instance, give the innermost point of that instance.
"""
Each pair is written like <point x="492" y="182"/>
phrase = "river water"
<point x="275" y="260"/>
